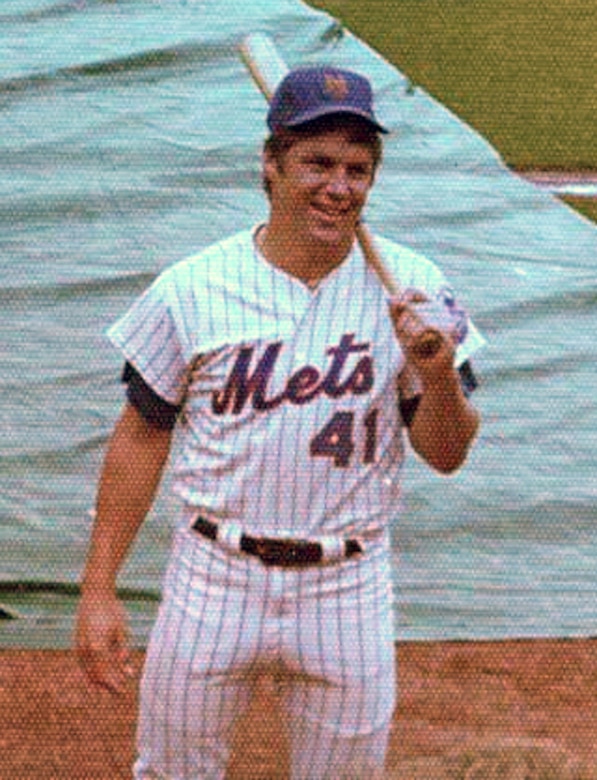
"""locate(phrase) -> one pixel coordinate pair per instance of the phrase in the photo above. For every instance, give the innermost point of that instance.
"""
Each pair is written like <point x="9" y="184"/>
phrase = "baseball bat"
<point x="267" y="68"/>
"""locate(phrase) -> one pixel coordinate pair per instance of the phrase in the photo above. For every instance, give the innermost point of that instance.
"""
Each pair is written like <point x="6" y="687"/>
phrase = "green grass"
<point x="585" y="206"/>
<point x="522" y="72"/>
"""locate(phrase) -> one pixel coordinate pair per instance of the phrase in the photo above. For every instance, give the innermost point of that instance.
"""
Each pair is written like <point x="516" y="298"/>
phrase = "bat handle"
<point x="429" y="341"/>
<point x="374" y="260"/>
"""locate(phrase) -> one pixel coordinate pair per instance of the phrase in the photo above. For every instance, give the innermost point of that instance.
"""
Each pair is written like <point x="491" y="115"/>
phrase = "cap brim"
<point x="321" y="111"/>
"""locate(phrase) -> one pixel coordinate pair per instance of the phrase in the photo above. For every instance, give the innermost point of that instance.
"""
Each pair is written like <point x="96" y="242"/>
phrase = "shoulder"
<point x="411" y="268"/>
<point x="212" y="263"/>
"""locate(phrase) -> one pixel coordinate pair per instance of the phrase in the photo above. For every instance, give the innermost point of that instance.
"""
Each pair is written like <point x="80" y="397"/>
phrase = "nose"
<point x="339" y="184"/>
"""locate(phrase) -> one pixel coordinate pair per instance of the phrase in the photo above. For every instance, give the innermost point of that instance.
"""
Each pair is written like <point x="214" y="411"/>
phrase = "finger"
<point x="108" y="678"/>
<point x="96" y="669"/>
<point x="427" y="344"/>
<point x="104" y="669"/>
<point x="415" y="296"/>
<point x="420" y="340"/>
<point x="407" y="322"/>
<point x="410" y="295"/>
<point x="126" y="662"/>
<point x="403" y="303"/>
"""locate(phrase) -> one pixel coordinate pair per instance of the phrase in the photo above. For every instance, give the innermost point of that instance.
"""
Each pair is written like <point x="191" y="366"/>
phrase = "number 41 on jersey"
<point x="342" y="436"/>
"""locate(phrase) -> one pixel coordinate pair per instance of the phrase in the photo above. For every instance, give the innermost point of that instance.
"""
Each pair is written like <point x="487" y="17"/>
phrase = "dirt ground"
<point x="452" y="694"/>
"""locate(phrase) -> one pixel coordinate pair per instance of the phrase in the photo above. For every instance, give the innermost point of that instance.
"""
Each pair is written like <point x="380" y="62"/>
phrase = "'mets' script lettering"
<point x="305" y="384"/>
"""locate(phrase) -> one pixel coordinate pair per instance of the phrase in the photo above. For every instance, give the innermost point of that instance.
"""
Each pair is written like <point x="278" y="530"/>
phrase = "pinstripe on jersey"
<point x="290" y="417"/>
<point x="290" y="426"/>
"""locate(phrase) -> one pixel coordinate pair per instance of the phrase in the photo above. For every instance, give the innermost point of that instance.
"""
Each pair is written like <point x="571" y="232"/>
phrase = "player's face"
<point x="320" y="187"/>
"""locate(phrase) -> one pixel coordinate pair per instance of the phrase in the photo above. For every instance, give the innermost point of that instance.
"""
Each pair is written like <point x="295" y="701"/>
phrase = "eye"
<point x="359" y="171"/>
<point x="320" y="162"/>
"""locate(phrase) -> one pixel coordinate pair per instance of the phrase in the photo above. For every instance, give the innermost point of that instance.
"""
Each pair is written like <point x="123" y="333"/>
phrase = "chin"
<point x="334" y="246"/>
<point x="333" y="235"/>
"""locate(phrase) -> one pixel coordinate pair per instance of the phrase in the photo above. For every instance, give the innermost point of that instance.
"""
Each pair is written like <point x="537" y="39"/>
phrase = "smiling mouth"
<point x="332" y="214"/>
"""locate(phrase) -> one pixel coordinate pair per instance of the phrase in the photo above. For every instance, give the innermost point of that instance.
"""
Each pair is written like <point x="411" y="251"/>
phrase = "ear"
<point x="269" y="164"/>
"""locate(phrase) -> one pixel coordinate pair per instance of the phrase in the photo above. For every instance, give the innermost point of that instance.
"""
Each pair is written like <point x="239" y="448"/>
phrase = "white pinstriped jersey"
<point x="290" y="422"/>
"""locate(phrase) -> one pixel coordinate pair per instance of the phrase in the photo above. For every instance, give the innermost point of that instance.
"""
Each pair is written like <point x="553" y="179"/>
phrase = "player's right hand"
<point x="101" y="642"/>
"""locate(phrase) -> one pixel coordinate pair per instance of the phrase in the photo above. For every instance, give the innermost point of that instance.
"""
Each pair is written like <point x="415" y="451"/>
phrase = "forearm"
<point x="445" y="424"/>
<point x="130" y="477"/>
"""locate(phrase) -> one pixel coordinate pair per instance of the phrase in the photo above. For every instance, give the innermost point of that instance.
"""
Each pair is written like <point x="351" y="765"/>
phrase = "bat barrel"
<point x="263" y="61"/>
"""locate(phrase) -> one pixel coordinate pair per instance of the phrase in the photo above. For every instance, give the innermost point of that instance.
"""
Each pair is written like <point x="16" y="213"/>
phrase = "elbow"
<point x="449" y="465"/>
<point x="452" y="455"/>
<point x="449" y="461"/>
<point x="446" y="461"/>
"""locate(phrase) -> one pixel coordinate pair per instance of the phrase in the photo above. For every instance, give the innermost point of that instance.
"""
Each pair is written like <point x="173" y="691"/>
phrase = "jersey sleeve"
<point x="149" y="337"/>
<point x="148" y="403"/>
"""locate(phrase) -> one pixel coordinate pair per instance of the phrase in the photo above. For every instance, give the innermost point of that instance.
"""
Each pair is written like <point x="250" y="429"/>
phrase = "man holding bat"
<point x="292" y="383"/>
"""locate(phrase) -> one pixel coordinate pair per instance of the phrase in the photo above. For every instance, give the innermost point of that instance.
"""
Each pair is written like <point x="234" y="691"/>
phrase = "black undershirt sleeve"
<point x="468" y="378"/>
<point x="163" y="414"/>
<point x="152" y="407"/>
<point x="408" y="406"/>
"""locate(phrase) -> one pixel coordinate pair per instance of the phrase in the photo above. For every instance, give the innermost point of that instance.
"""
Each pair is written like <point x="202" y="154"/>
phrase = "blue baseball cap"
<point x="306" y="94"/>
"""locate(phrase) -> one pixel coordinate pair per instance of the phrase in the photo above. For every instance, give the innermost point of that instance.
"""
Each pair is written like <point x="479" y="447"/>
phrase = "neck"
<point x="309" y="261"/>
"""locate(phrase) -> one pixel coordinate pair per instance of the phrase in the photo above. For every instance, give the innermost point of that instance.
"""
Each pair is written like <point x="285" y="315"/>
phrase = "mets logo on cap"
<point x="335" y="86"/>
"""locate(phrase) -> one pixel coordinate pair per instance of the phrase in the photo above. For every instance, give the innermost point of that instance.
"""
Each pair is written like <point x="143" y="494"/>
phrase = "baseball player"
<point x="291" y="382"/>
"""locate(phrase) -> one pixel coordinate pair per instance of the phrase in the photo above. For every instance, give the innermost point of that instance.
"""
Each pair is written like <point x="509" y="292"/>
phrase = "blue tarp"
<point x="130" y="136"/>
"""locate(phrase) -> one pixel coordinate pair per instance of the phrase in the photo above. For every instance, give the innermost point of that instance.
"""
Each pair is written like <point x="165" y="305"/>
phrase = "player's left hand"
<point x="427" y="333"/>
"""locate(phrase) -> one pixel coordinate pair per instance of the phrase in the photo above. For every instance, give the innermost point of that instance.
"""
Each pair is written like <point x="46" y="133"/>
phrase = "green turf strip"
<point x="586" y="206"/>
<point x="522" y="72"/>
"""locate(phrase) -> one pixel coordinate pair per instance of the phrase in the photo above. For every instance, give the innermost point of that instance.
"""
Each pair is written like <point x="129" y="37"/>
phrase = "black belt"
<point x="278" y="552"/>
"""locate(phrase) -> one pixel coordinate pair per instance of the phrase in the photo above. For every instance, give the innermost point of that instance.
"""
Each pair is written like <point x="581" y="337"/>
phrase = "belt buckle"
<point x="277" y="552"/>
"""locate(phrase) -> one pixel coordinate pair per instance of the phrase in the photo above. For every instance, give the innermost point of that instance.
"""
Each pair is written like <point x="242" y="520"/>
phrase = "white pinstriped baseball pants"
<point x="224" y="618"/>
